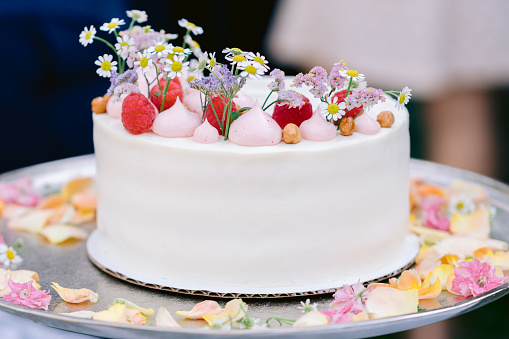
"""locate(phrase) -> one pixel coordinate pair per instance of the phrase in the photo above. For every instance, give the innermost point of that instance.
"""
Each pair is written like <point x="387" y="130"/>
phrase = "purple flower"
<point x="316" y="79"/>
<point x="366" y="97"/>
<point x="129" y="76"/>
<point x="279" y="80"/>
<point x="335" y="80"/>
<point x="293" y="98"/>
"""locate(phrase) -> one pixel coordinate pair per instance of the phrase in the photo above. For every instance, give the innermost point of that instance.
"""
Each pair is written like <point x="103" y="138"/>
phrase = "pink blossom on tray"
<point x="352" y="297"/>
<point x="431" y="214"/>
<point x="19" y="192"/>
<point x="25" y="294"/>
<point x="344" y="314"/>
<point x="473" y="278"/>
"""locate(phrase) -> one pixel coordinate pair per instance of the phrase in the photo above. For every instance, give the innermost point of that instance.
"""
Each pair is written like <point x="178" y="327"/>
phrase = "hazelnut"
<point x="385" y="119"/>
<point x="291" y="134"/>
<point x="346" y="126"/>
<point x="99" y="104"/>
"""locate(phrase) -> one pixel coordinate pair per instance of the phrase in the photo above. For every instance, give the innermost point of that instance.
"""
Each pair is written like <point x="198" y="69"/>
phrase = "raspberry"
<point x="219" y="108"/>
<point x="138" y="113"/>
<point x="339" y="97"/>
<point x="174" y="91"/>
<point x="284" y="114"/>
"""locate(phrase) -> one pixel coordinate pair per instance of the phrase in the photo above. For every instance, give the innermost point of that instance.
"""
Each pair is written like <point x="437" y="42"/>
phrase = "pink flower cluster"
<point x="290" y="96"/>
<point x="473" y="278"/>
<point x="348" y="301"/>
<point x="279" y="80"/>
<point x="316" y="79"/>
<point x="432" y="216"/>
<point x="335" y="80"/>
<point x="366" y="97"/>
<point x="26" y="295"/>
<point x="20" y="192"/>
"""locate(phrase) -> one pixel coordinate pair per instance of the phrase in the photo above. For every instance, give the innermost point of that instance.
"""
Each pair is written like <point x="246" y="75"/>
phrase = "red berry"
<point x="138" y="113"/>
<point x="284" y="114"/>
<point x="174" y="91"/>
<point x="339" y="97"/>
<point x="219" y="109"/>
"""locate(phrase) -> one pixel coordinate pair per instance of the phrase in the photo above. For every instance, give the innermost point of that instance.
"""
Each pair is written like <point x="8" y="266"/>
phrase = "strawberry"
<point x="174" y="91"/>
<point x="219" y="109"/>
<point x="138" y="113"/>
<point x="284" y="114"/>
<point x="339" y="97"/>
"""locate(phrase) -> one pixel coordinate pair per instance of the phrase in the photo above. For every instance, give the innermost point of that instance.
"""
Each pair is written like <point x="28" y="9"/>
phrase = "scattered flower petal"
<point x="475" y="224"/>
<point x="25" y="294"/>
<point x="131" y="305"/>
<point x="232" y="310"/>
<point x="164" y="319"/>
<point x="312" y="318"/>
<point x="75" y="186"/>
<point x="388" y="302"/>
<point x="201" y="309"/>
<point x="79" y="314"/>
<point x="57" y="234"/>
<point x="32" y="221"/>
<point x="75" y="296"/>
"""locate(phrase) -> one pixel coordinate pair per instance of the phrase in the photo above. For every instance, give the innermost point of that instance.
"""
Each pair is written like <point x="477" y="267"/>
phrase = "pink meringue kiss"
<point x="317" y="128"/>
<point x="142" y="83"/>
<point x="255" y="128"/>
<point x="114" y="108"/>
<point x="192" y="101"/>
<point x="206" y="133"/>
<point x="176" y="122"/>
<point x="243" y="100"/>
<point x="366" y="125"/>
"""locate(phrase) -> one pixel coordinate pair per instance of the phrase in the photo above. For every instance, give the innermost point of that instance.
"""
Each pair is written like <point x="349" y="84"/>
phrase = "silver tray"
<point x="68" y="265"/>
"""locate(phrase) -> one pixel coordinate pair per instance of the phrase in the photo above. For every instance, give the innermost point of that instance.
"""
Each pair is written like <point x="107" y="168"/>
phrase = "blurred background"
<point x="454" y="54"/>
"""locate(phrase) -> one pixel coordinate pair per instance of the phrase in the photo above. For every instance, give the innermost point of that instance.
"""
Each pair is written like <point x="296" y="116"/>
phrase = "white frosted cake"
<point x="230" y="218"/>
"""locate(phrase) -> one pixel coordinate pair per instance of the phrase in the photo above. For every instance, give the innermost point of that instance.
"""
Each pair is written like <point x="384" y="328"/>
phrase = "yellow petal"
<point x="442" y="272"/>
<point x="429" y="292"/>
<point x="471" y="191"/>
<point x="361" y="316"/>
<point x="233" y="310"/>
<point x="476" y="224"/>
<point x="499" y="259"/>
<point x="75" y="186"/>
<point x="82" y="217"/>
<point x="57" y="234"/>
<point x="32" y="221"/>
<point x="200" y="309"/>
<point x="388" y="302"/>
<point x="75" y="296"/>
<point x="164" y="319"/>
<point x="2" y="204"/>
<point x="131" y="305"/>
<point x="311" y="319"/>
<point x="115" y="313"/>
<point x="428" y="236"/>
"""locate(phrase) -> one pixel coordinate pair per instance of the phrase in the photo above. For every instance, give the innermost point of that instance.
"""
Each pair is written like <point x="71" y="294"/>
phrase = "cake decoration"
<point x="176" y="121"/>
<point x="206" y="133"/>
<point x="255" y="128"/>
<point x="317" y="128"/>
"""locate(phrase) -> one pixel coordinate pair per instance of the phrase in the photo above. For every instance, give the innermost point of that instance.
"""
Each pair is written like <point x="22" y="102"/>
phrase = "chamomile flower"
<point x="138" y="16"/>
<point x="251" y="69"/>
<point x="87" y="36"/>
<point x="259" y="59"/>
<point x="106" y="65"/>
<point x="212" y="60"/>
<point x="235" y="55"/>
<point x="403" y="97"/>
<point x="112" y="25"/>
<point x="194" y="46"/>
<point x="161" y="49"/>
<point x="8" y="256"/>
<point x="308" y="307"/>
<point x="176" y="67"/>
<point x="180" y="50"/>
<point x="144" y="62"/>
<point x="460" y="204"/>
<point x="351" y="74"/>
<point x="333" y="111"/>
<point x="197" y="30"/>
<point x="124" y="45"/>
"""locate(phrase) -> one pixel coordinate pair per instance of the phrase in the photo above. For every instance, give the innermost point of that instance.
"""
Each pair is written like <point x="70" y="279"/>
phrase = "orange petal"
<point x="409" y="279"/>
<point x="476" y="224"/>
<point x="429" y="292"/>
<point x="388" y="302"/>
<point x="200" y="309"/>
<point x="132" y="316"/>
<point x="2" y="204"/>
<point x="57" y="234"/>
<point x="164" y="319"/>
<point x="51" y="201"/>
<point x="233" y="311"/>
<point x="312" y="318"/>
<point x="32" y="221"/>
<point x="449" y="284"/>
<point x="82" y="217"/>
<point x="86" y="201"/>
<point x="75" y="186"/>
<point x="429" y="189"/>
<point x="361" y="316"/>
<point x="75" y="296"/>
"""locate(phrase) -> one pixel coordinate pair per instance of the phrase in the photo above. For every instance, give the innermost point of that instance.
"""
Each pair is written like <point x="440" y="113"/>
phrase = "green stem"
<point x="215" y="113"/>
<point x="349" y="86"/>
<point x="281" y="321"/>
<point x="166" y="85"/>
<point x="228" y="114"/>
<point x="131" y="25"/>
<point x="267" y="98"/>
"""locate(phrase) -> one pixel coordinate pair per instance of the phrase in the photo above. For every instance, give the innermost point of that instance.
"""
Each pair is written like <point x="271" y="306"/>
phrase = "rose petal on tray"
<point x="233" y="311"/>
<point x="80" y="314"/>
<point x="312" y="318"/>
<point x="428" y="291"/>
<point x="115" y="314"/>
<point x="32" y="221"/>
<point x="75" y="296"/>
<point x="476" y="224"/>
<point x="164" y="319"/>
<point x="82" y="217"/>
<point x="131" y="305"/>
<point x="442" y="272"/>
<point x="19" y="276"/>
<point x="51" y="201"/>
<point x="200" y="309"/>
<point x="57" y="234"/>
<point x="75" y="186"/>
<point x="85" y="201"/>
<point x="388" y="302"/>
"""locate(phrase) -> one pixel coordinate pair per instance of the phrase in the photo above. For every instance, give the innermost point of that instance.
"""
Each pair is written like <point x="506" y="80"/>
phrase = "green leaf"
<point x="421" y="309"/>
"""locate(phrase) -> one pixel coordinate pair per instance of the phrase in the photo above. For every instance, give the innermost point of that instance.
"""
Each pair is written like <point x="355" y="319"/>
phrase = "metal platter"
<point x="68" y="265"/>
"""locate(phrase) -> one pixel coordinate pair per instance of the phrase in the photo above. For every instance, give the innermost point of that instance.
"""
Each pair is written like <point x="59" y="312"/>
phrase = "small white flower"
<point x="235" y="55"/>
<point x="124" y="45"/>
<point x="170" y="36"/>
<point x="212" y="60"/>
<point x="460" y="204"/>
<point x="138" y="16"/>
<point x="112" y="25"/>
<point x="251" y="69"/>
<point x="307" y="307"/>
<point x="194" y="46"/>
<point x="87" y="36"/>
<point x="161" y="49"/>
<point x="106" y="65"/>
<point x="176" y="67"/>
<point x="351" y="73"/>
<point x="144" y="62"/>
<point x="197" y="30"/>
<point x="8" y="256"/>
<point x="403" y="97"/>
<point x="202" y="61"/>
<point x="259" y="59"/>
<point x="333" y="111"/>
<point x="178" y="50"/>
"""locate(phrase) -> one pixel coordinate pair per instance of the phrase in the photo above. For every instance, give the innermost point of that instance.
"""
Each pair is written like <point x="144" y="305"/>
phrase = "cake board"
<point x="68" y="265"/>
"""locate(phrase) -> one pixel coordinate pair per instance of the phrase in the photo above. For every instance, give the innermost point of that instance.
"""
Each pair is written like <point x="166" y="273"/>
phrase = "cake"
<point x="230" y="218"/>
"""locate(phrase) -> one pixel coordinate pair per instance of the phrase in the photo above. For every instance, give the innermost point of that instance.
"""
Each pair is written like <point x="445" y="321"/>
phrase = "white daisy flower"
<point x="124" y="45"/>
<point x="351" y="73"/>
<point x="460" y="204"/>
<point x="193" y="45"/>
<point x="106" y="65"/>
<point x="179" y="50"/>
<point x="138" y="16"/>
<point x="161" y="49"/>
<point x="87" y="36"/>
<point x="176" y="67"/>
<point x="8" y="256"/>
<point x="203" y="60"/>
<point x="194" y="70"/>
<point x="403" y="97"/>
<point x="197" y="30"/>
<point x="259" y="59"/>
<point x="170" y="36"/>
<point x="147" y="29"/>
<point x="251" y="69"/>
<point x="143" y="63"/>
<point x="212" y="60"/>
<point x="112" y="25"/>
<point x="308" y="307"/>
<point x="333" y="111"/>
<point x="235" y="55"/>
